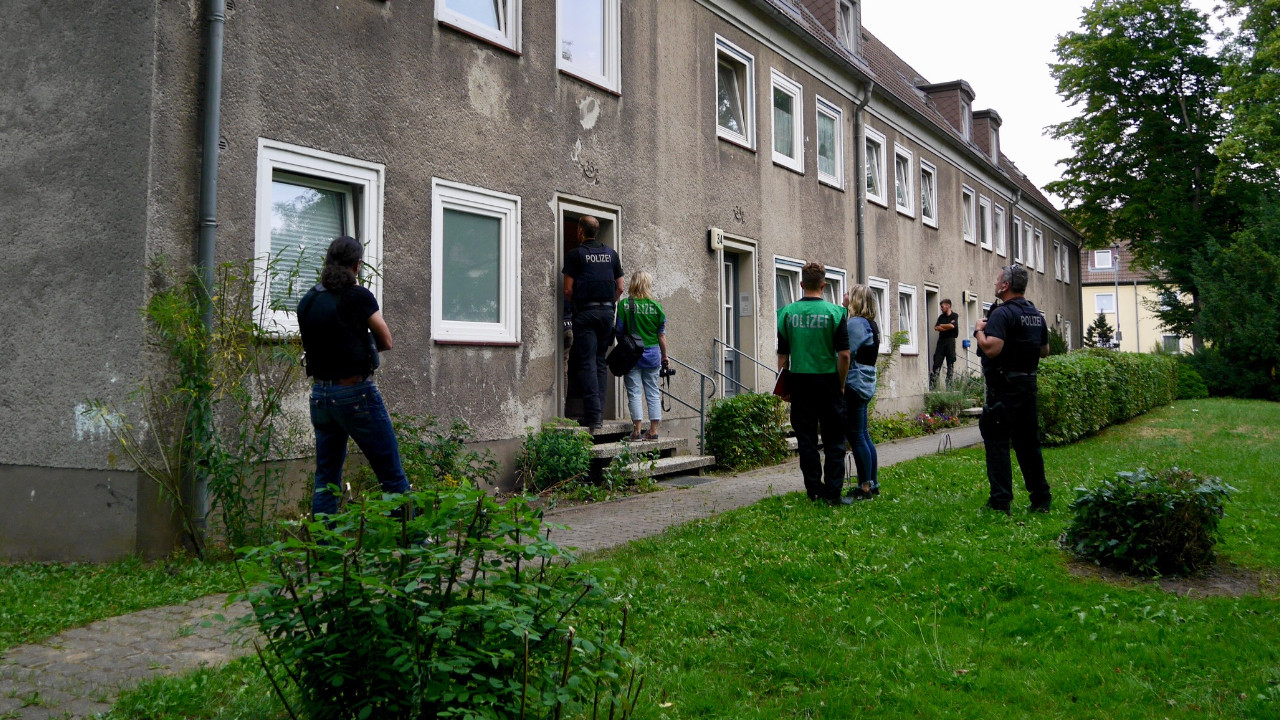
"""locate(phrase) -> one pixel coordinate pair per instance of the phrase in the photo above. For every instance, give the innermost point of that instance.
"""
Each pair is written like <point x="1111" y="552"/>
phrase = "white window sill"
<point x="734" y="139"/>
<point x="907" y="212"/>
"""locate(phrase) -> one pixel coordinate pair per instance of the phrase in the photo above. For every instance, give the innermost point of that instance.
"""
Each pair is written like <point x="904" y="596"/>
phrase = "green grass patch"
<point x="38" y="600"/>
<point x="237" y="691"/>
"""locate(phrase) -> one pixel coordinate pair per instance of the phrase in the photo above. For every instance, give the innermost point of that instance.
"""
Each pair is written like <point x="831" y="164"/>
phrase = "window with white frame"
<point x="1029" y="245"/>
<point x="929" y="193"/>
<point x="966" y="119"/>
<point x="847" y="25"/>
<point x="875" y="168"/>
<point x="879" y="288"/>
<point x="475" y="264"/>
<point x="497" y="21"/>
<point x="589" y="34"/>
<point x="993" y="142"/>
<point x="1066" y="263"/>
<point x="1017" y="239"/>
<point x="902" y="180"/>
<point x="1102" y="259"/>
<point x="968" y="214"/>
<point x="998" y="233"/>
<point x="786" y="281"/>
<point x="306" y="198"/>
<point x="830" y="143"/>
<point x="788" y="121"/>
<point x="1057" y="260"/>
<point x="1040" y="251"/>
<point x="1171" y="343"/>
<point x="907" y="319"/>
<point x="833" y="291"/>
<point x="984" y="223"/>
<point x="1104" y="303"/>
<point x="735" y="93"/>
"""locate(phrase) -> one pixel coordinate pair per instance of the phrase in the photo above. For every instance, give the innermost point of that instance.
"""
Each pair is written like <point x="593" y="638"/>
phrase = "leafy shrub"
<point x="963" y="392"/>
<point x="884" y="428"/>
<point x="1082" y="392"/>
<point x="1190" y="384"/>
<point x="465" y="611"/>
<point x="745" y="431"/>
<point x="434" y="456"/>
<point x="1226" y="377"/>
<point x="1057" y="343"/>
<point x="1160" y="524"/>
<point x="556" y="454"/>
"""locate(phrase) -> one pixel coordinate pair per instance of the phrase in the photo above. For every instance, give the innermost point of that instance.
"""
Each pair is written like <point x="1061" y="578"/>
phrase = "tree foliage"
<point x="1251" y="92"/>
<point x="1100" y="334"/>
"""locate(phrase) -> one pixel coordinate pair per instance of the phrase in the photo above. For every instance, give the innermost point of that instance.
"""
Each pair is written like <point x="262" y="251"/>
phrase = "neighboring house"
<point x="461" y="141"/>
<point x="1126" y="297"/>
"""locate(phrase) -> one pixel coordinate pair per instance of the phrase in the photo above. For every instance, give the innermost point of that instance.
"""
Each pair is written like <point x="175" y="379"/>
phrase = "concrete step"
<point x="607" y="451"/>
<point x="973" y="411"/>
<point x="677" y="464"/>
<point x="608" y="429"/>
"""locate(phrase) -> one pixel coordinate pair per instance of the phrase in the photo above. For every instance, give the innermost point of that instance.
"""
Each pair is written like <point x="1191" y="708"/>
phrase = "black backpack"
<point x="630" y="347"/>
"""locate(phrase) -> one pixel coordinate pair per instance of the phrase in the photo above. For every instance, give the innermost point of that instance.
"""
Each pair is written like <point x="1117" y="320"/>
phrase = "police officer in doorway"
<point x="592" y="285"/>
<point x="947" y="325"/>
<point x="1012" y="340"/>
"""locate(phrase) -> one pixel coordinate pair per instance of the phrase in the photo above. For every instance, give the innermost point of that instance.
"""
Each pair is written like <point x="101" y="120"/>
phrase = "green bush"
<point x="1057" y="343"/>
<point x="556" y="454"/>
<point x="745" y="431"/>
<point x="963" y="392"/>
<point x="897" y="426"/>
<point x="1190" y="384"/>
<point x="1084" y="391"/>
<point x="465" y="611"/>
<point x="1160" y="524"/>
<point x="1227" y="377"/>
<point x="435" y="456"/>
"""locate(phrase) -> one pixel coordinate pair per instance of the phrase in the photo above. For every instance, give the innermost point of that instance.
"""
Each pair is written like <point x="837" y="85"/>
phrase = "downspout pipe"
<point x="860" y="183"/>
<point x="207" y="242"/>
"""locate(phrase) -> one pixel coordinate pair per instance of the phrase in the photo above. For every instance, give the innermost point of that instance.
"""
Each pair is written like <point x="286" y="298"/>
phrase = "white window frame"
<point x="790" y="267"/>
<point x="836" y="280"/>
<point x="833" y="111"/>
<point x="882" y="310"/>
<point x="507" y="37"/>
<point x="1040" y="251"/>
<point x="966" y="120"/>
<point x="912" y="345"/>
<point x="1017" y="239"/>
<point x="1066" y="263"/>
<point x="998" y="236"/>
<point x="993" y="139"/>
<point x="984" y="222"/>
<point x="366" y="179"/>
<point x="1097" y="257"/>
<point x="747" y="60"/>
<point x="969" y="221"/>
<point x="1028" y="245"/>
<point x="847" y="24"/>
<point x="1097" y="304"/>
<point x="778" y="81"/>
<point x="906" y="181"/>
<point x="872" y="136"/>
<point x="928" y="168"/>
<point x="1164" y="342"/>
<point x="611" y="80"/>
<point x="477" y="201"/>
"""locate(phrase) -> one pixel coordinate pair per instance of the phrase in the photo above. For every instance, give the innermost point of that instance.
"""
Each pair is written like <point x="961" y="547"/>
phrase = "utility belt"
<point x="594" y="303"/>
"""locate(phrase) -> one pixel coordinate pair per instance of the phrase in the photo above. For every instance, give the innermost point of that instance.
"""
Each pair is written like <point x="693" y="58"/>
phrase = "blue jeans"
<point x="355" y="411"/>
<point x="648" y="377"/>
<point x="859" y="434"/>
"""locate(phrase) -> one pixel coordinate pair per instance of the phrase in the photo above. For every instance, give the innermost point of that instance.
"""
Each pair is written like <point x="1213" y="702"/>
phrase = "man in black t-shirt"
<point x="1012" y="340"/>
<point x="948" y="328"/>
<point x="592" y="285"/>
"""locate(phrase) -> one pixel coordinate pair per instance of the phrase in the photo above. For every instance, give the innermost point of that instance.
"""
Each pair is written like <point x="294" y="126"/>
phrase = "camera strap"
<point x="664" y="383"/>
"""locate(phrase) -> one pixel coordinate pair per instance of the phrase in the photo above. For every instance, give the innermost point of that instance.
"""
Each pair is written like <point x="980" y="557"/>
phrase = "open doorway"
<point x="568" y="209"/>
<point x="737" y="353"/>
<point x="931" y="311"/>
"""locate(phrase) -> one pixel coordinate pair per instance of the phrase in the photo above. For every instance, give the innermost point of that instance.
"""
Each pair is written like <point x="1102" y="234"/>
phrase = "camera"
<point x="665" y="371"/>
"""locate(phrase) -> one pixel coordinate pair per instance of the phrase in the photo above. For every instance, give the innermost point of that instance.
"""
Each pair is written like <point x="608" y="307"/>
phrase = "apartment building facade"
<point x="722" y="144"/>
<point x="1127" y="298"/>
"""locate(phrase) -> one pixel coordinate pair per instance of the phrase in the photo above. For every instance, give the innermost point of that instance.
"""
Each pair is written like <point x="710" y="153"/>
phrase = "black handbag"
<point x="629" y="349"/>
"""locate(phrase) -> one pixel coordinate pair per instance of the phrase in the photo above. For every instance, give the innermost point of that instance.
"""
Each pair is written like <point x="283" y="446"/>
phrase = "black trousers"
<point x="1009" y="418"/>
<point x="592" y="336"/>
<point x="816" y="404"/>
<point x="946" y="350"/>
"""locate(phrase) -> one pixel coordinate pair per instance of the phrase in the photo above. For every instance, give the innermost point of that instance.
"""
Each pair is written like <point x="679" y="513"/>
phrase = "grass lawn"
<point x="918" y="605"/>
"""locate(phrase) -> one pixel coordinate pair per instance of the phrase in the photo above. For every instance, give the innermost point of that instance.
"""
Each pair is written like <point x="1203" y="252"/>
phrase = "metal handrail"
<point x="717" y="343"/>
<point x="702" y="401"/>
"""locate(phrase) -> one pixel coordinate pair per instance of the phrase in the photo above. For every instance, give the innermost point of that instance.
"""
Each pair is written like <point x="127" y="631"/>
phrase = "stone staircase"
<point x="674" y="454"/>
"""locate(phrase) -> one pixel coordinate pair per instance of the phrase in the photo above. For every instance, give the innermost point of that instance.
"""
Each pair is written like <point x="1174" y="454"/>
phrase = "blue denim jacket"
<point x="862" y="378"/>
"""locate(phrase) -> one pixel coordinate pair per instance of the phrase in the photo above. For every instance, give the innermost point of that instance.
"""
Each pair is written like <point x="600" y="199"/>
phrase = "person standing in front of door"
<point x="813" y="346"/>
<point x="592" y="284"/>
<point x="947" y="328"/>
<point x="641" y="314"/>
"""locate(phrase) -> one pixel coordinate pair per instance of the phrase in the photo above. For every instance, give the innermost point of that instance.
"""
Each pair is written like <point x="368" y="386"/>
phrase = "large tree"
<point x="1146" y="84"/>
<point x="1251" y="95"/>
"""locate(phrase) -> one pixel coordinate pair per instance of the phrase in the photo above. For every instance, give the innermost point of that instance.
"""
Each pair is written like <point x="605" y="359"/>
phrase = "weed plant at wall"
<point x="468" y="610"/>
<point x="557" y="454"/>
<point x="745" y="431"/>
<point x="434" y="456"/>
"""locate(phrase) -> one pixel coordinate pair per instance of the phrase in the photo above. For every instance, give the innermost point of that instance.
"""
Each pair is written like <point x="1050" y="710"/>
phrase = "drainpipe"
<point x="208" y="219"/>
<point x="860" y="194"/>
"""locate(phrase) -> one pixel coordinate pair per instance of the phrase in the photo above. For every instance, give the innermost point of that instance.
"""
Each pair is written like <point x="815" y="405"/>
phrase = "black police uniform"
<point x="1009" y="413"/>
<point x="595" y="270"/>
<point x="946" y="349"/>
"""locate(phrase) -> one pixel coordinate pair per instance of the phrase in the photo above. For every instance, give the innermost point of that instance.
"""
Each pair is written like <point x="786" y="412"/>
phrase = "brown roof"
<point x="1107" y="276"/>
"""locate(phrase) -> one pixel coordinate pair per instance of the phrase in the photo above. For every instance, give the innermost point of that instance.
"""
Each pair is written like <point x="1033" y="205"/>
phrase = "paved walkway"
<point x="78" y="673"/>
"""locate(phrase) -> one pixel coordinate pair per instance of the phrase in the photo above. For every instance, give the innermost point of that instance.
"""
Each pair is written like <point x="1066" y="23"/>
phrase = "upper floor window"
<point x="1029" y="245"/>
<point x="475" y="265"/>
<point x="1017" y="239"/>
<point x="497" y="21"/>
<point x="1066" y="263"/>
<point x="735" y="93"/>
<point x="1040" y="251"/>
<point x="1104" y="303"/>
<point x="902" y="180"/>
<point x="966" y="119"/>
<point x="305" y="199"/>
<point x="875" y="167"/>
<point x="830" y="143"/>
<point x="1102" y="259"/>
<point x="929" y="193"/>
<point x="993" y="141"/>
<point x="998" y="233"/>
<point x="788" y="122"/>
<point x="590" y="39"/>
<point x="847" y="25"/>
<point x="984" y="223"/>
<point x="969" y="214"/>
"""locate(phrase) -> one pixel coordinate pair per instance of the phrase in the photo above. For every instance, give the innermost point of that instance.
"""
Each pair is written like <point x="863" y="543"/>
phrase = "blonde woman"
<point x="645" y="318"/>
<point x="860" y="387"/>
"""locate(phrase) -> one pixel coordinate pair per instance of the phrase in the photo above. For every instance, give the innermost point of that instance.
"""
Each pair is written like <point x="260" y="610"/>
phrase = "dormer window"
<point x="966" y="120"/>
<point x="993" y="140"/>
<point x="847" y="25"/>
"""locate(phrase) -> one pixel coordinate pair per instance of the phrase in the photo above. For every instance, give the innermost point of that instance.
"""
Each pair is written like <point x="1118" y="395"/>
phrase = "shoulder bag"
<point x="630" y="347"/>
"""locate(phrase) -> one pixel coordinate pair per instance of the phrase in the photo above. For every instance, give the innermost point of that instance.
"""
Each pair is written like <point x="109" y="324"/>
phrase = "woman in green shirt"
<point x="645" y="317"/>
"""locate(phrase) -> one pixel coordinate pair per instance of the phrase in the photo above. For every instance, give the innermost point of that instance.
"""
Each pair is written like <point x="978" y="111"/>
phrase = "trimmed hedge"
<point x="1084" y="391"/>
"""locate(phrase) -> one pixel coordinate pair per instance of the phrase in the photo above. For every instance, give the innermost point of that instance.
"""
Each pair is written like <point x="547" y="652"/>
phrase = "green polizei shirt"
<point x="648" y="322"/>
<point x="812" y="331"/>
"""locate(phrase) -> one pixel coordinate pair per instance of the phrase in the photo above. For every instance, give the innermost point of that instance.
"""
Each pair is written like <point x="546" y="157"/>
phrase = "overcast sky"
<point x="1003" y="48"/>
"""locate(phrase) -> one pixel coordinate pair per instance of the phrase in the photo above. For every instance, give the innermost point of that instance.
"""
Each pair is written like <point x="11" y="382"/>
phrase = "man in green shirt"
<point x="813" y="346"/>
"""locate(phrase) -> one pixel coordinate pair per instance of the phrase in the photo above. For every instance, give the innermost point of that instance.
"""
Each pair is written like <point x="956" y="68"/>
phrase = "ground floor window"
<point x="879" y="288"/>
<point x="907" y="319"/>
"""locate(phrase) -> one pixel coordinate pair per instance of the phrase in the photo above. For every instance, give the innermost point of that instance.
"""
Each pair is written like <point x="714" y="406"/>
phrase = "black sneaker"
<point x="997" y="508"/>
<point x="841" y="500"/>
<point x="1043" y="509"/>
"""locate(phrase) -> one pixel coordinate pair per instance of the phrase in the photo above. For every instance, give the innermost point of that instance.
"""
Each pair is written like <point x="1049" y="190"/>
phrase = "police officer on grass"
<point x="592" y="284"/>
<point x="1011" y="340"/>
